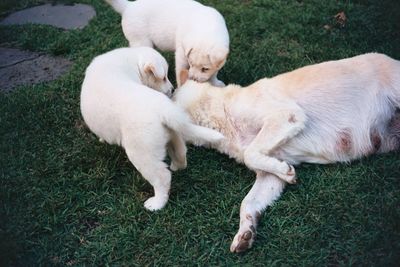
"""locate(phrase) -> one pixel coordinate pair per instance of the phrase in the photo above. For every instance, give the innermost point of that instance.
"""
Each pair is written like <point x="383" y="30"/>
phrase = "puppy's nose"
<point x="191" y="77"/>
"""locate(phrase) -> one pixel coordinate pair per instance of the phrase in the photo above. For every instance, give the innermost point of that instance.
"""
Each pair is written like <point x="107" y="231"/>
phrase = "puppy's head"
<point x="153" y="70"/>
<point x="205" y="62"/>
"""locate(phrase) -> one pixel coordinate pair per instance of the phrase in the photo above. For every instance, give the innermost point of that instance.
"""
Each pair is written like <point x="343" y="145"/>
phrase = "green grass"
<point x="66" y="199"/>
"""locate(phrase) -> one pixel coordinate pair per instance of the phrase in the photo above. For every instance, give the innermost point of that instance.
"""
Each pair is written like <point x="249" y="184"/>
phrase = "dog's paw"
<point x="242" y="241"/>
<point x="154" y="203"/>
<point x="287" y="173"/>
<point x="175" y="165"/>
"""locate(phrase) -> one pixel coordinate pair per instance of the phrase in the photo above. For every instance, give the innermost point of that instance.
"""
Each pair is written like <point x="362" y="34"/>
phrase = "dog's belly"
<point x="297" y="154"/>
<point x="329" y="145"/>
<point x="240" y="132"/>
<point x="164" y="43"/>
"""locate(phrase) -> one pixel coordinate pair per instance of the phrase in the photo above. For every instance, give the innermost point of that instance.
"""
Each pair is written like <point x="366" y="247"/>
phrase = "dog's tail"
<point x="118" y="5"/>
<point x="176" y="119"/>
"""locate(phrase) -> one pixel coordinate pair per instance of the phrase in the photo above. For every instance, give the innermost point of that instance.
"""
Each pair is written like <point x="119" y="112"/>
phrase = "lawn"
<point x="68" y="200"/>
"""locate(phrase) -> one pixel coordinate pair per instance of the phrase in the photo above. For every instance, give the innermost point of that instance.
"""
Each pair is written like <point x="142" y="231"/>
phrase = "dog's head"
<point x="205" y="61"/>
<point x="153" y="70"/>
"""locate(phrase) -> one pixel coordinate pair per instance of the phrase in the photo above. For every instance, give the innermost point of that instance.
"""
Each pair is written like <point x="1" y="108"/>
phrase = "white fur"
<point x="330" y="112"/>
<point x="196" y="33"/>
<point x="119" y="106"/>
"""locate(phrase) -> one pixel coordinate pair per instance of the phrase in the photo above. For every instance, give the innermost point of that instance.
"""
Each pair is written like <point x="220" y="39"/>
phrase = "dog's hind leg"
<point x="266" y="189"/>
<point x="150" y="165"/>
<point x="177" y="152"/>
<point x="278" y="128"/>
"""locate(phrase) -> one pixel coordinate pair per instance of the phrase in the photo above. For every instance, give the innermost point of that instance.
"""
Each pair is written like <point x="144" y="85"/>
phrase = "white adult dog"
<point x="119" y="105"/>
<point x="335" y="111"/>
<point x="196" y="33"/>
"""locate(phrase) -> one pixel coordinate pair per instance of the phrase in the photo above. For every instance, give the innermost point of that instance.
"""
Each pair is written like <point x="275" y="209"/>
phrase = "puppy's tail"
<point x="176" y="119"/>
<point x="118" y="5"/>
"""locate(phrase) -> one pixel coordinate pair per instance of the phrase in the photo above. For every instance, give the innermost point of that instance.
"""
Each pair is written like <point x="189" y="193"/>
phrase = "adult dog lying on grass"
<point x="335" y="111"/>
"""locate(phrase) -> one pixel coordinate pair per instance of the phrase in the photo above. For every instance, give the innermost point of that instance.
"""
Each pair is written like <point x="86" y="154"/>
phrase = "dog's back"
<point x="112" y="92"/>
<point x="160" y="23"/>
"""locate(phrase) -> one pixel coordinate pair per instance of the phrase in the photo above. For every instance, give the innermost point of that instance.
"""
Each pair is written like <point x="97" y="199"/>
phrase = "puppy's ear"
<point x="219" y="57"/>
<point x="183" y="76"/>
<point x="220" y="63"/>
<point x="187" y="52"/>
<point x="154" y="69"/>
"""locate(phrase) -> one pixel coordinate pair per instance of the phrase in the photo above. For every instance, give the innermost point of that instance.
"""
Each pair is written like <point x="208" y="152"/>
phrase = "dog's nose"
<point x="191" y="77"/>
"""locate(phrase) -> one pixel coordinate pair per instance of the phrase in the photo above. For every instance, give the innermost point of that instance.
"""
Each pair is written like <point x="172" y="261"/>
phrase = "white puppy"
<point x="119" y="106"/>
<point x="196" y="33"/>
<point x="335" y="111"/>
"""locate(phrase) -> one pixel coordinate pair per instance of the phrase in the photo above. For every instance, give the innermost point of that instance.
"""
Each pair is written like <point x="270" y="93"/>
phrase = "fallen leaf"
<point x="341" y="19"/>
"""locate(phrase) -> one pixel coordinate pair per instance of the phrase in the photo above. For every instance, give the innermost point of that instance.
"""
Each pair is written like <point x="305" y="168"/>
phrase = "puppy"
<point x="196" y="33"/>
<point x="123" y="102"/>
<point x="335" y="111"/>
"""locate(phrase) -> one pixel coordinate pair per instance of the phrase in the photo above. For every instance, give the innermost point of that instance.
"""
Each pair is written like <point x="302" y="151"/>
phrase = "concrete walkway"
<point x="19" y="67"/>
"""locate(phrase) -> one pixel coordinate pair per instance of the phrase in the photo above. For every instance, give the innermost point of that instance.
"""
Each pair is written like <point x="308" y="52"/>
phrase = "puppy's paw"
<point x="242" y="241"/>
<point x="154" y="203"/>
<point x="175" y="165"/>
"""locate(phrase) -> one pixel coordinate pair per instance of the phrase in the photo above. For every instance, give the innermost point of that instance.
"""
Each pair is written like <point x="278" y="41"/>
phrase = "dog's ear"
<point x="183" y="76"/>
<point x="220" y="63"/>
<point x="188" y="51"/>
<point x="219" y="56"/>
<point x="155" y="70"/>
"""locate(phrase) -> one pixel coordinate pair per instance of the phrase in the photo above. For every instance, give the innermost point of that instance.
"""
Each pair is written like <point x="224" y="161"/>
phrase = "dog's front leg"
<point x="266" y="189"/>
<point x="214" y="80"/>
<point x="278" y="128"/>
<point x="181" y="63"/>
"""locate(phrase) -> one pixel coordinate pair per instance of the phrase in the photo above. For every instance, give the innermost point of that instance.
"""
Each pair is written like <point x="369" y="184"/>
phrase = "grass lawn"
<point x="67" y="199"/>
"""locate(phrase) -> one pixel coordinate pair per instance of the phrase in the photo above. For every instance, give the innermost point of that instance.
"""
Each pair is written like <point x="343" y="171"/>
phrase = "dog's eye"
<point x="204" y="69"/>
<point x="165" y="79"/>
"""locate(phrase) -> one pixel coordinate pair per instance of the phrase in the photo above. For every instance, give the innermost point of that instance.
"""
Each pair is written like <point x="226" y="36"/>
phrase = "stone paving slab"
<point x="19" y="67"/>
<point x="10" y="56"/>
<point x="75" y="16"/>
